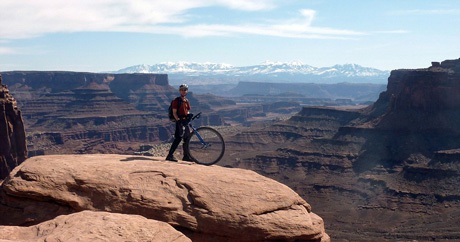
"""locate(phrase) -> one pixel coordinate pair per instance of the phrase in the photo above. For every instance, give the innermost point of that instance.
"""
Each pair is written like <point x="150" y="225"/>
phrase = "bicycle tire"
<point x="208" y="154"/>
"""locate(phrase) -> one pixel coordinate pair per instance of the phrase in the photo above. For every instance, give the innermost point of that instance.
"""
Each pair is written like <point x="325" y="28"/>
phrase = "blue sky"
<point x="108" y="35"/>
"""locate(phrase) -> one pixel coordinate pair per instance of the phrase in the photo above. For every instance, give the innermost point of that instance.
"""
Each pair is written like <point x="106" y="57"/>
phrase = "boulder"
<point x="95" y="226"/>
<point x="206" y="202"/>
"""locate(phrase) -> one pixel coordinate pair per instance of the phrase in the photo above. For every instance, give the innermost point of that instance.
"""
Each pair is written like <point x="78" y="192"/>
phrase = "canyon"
<point x="105" y="193"/>
<point x="388" y="171"/>
<point x="69" y="112"/>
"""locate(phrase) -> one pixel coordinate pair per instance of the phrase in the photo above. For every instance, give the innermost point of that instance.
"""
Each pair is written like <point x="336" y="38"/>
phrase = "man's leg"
<point x="178" y="134"/>
<point x="185" y="144"/>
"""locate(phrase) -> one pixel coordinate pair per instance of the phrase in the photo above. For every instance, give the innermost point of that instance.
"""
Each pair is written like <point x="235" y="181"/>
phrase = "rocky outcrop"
<point x="94" y="226"/>
<point x="396" y="160"/>
<point x="13" y="150"/>
<point x="421" y="100"/>
<point x="206" y="203"/>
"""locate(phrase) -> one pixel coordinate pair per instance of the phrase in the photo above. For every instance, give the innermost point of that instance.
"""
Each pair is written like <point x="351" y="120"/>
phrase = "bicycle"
<point x="204" y="144"/>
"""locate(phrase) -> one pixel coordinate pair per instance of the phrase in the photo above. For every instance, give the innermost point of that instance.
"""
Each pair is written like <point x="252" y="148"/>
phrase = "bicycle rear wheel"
<point x="209" y="149"/>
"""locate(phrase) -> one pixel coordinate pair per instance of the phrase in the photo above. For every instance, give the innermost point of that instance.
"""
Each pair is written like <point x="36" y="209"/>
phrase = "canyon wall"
<point x="80" y="112"/>
<point x="388" y="171"/>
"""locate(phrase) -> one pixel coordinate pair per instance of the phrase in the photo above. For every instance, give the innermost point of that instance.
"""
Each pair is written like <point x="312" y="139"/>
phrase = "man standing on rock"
<point x="181" y="112"/>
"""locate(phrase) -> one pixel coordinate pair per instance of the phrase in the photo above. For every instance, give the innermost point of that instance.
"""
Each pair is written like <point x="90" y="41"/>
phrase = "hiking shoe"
<point x="171" y="158"/>
<point x="187" y="158"/>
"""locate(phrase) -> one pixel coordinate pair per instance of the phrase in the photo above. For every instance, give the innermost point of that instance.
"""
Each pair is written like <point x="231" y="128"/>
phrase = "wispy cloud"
<point x="36" y="18"/>
<point x="300" y="27"/>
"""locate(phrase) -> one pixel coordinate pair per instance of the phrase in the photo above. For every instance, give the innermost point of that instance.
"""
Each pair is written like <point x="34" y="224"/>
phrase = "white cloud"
<point x="252" y="5"/>
<point x="26" y="19"/>
<point x="22" y="19"/>
<point x="6" y="51"/>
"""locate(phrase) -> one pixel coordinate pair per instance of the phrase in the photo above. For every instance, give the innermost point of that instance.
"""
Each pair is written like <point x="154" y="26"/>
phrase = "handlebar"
<point x="198" y="115"/>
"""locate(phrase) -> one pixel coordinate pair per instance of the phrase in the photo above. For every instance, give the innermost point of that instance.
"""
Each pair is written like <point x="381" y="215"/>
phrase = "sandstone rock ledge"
<point x="95" y="226"/>
<point x="205" y="203"/>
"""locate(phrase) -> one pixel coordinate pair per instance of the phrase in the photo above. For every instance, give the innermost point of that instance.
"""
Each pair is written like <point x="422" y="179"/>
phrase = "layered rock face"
<point x="13" y="150"/>
<point x="389" y="171"/>
<point x="206" y="203"/>
<point x="77" y="112"/>
<point x="422" y="100"/>
<point x="80" y="112"/>
<point x="418" y="114"/>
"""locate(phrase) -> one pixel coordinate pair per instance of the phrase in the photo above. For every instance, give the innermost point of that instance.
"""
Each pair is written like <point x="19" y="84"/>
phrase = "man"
<point x="181" y="112"/>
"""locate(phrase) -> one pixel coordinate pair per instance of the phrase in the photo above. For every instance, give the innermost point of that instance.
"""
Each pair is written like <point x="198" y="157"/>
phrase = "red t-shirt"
<point x="182" y="111"/>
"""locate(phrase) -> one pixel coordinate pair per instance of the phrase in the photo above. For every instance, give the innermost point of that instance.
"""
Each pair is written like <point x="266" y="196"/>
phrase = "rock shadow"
<point x="133" y="158"/>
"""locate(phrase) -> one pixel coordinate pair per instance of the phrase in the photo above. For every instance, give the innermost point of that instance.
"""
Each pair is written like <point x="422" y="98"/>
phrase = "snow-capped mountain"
<point x="267" y="71"/>
<point x="178" y="67"/>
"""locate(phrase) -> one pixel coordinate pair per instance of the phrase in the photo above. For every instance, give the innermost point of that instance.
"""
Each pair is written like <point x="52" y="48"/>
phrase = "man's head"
<point x="183" y="89"/>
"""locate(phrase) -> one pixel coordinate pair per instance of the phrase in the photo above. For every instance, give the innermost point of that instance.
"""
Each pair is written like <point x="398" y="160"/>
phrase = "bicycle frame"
<point x="198" y="135"/>
<point x="205" y="145"/>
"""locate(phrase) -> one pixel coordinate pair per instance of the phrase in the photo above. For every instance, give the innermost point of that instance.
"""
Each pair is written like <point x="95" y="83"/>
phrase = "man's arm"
<point x="176" y="117"/>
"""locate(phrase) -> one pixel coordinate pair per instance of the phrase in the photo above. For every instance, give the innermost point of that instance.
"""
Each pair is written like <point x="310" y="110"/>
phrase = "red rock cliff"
<point x="422" y="100"/>
<point x="13" y="149"/>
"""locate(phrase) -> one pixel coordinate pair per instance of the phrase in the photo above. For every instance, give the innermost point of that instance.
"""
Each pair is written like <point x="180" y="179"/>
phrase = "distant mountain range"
<point x="296" y="72"/>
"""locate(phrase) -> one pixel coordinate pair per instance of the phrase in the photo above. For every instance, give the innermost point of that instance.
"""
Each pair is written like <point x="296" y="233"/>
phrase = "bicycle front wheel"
<point x="206" y="146"/>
